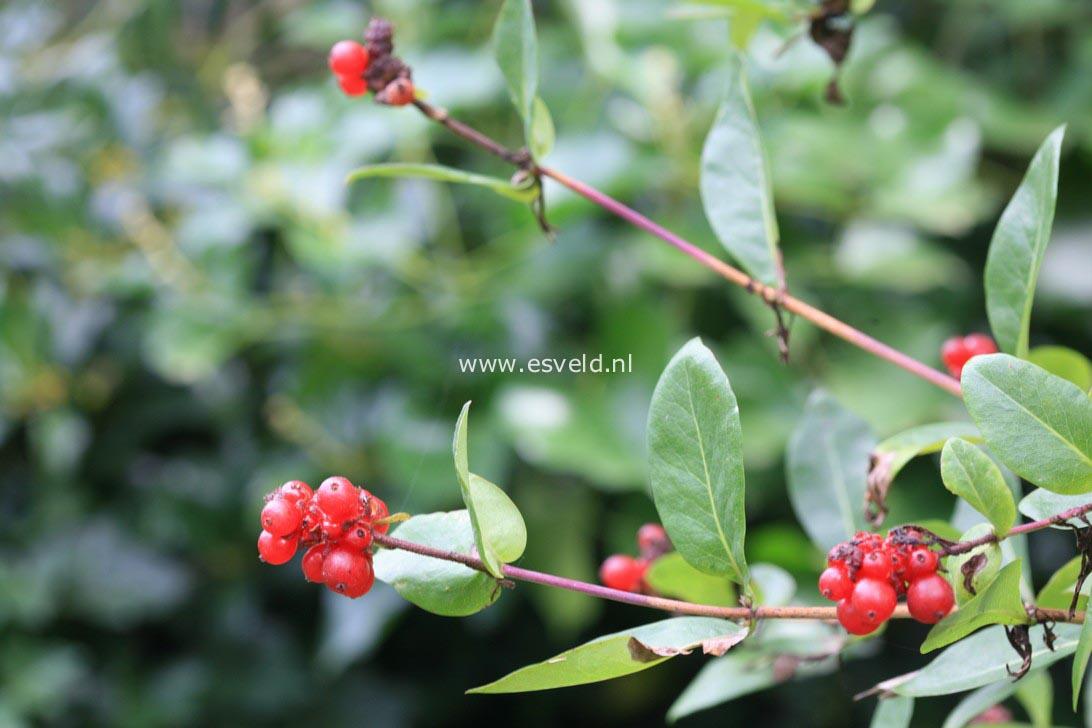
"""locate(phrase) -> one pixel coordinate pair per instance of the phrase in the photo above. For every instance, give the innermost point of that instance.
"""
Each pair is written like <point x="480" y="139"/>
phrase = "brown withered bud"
<point x="383" y="71"/>
<point x="379" y="38"/>
<point x="398" y="92"/>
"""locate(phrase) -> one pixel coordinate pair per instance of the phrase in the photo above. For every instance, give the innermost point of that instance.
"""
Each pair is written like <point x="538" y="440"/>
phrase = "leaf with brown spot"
<point x="719" y="645"/>
<point x="715" y="646"/>
<point x="970" y="568"/>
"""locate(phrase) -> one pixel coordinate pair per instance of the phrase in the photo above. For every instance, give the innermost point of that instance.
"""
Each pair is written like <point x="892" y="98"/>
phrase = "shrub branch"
<point x="962" y="547"/>
<point x="677" y="606"/>
<point x="772" y="296"/>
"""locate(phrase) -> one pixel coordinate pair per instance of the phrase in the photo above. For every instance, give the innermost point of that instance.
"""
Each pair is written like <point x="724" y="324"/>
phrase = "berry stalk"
<point x="770" y="295"/>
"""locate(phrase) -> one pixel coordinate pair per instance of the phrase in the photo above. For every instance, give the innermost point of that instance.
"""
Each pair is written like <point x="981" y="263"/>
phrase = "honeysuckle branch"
<point x="962" y="547"/>
<point x="472" y="135"/>
<point x="772" y="296"/>
<point x="674" y="606"/>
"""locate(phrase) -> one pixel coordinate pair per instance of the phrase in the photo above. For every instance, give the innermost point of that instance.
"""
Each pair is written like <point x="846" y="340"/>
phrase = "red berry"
<point x="979" y="344"/>
<point x="295" y="491"/>
<point x="834" y="584"/>
<point x="348" y="58"/>
<point x="281" y="517"/>
<point x="922" y="563"/>
<point x="930" y="598"/>
<point x="954" y="355"/>
<point x="312" y="563"/>
<point x="276" y="550"/>
<point x="378" y="511"/>
<point x="332" y="531"/>
<point x="352" y="85"/>
<point x="853" y="621"/>
<point x="957" y="351"/>
<point x="398" y="92"/>
<point x="622" y="572"/>
<point x="874" y="599"/>
<point x="312" y="518"/>
<point x="868" y="542"/>
<point x="899" y="561"/>
<point x="875" y="565"/>
<point x="650" y="535"/>
<point x="347" y="572"/>
<point x="337" y="499"/>
<point x="837" y="555"/>
<point x="863" y="548"/>
<point x="358" y="537"/>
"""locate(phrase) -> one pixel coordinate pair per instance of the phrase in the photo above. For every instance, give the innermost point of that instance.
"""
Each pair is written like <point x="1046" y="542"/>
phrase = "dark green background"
<point x="194" y="308"/>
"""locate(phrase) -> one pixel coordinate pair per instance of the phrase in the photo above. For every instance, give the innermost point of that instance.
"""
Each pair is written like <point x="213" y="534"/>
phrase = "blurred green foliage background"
<point x="194" y="307"/>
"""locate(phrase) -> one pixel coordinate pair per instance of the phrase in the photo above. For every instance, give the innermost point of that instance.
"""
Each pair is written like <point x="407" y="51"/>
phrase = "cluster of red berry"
<point x="626" y="573"/>
<point x="867" y="575"/>
<point x="958" y="350"/>
<point x="334" y="523"/>
<point x="360" y="68"/>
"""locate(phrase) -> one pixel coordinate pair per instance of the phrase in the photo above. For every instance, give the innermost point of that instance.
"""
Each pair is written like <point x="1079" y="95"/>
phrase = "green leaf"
<point x="721" y="680"/>
<point x="1017" y="247"/>
<point x="695" y="450"/>
<point x="1057" y="593"/>
<point x="984" y="572"/>
<point x="542" y="130"/>
<point x="756" y="668"/>
<point x="619" y="654"/>
<point x="672" y="576"/>
<point x="782" y="11"/>
<point x="735" y="183"/>
<point x="1084" y="650"/>
<point x="981" y="659"/>
<point x="826" y="464"/>
<point x="435" y="585"/>
<point x="516" y="49"/>
<point x="892" y="455"/>
<point x="502" y="526"/>
<point x="499" y="531"/>
<point x="1088" y="703"/>
<point x="998" y="603"/>
<point x="1037" y="424"/>
<point x="502" y="187"/>
<point x="1035" y="692"/>
<point x="1064" y="363"/>
<point x="975" y="703"/>
<point x="743" y="26"/>
<point x="798" y="638"/>
<point x="860" y="7"/>
<point x="970" y="474"/>
<point x="1041" y="503"/>
<point x="893" y="712"/>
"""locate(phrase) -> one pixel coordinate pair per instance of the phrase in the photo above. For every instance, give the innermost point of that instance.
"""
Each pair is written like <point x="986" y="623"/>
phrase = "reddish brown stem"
<point x="769" y="294"/>
<point x="963" y="547"/>
<point x="471" y="134"/>
<point x="674" y="606"/>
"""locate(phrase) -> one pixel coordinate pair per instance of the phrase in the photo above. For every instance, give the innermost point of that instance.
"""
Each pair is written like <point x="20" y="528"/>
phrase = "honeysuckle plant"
<point x="1028" y="430"/>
